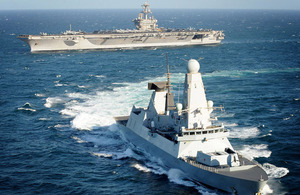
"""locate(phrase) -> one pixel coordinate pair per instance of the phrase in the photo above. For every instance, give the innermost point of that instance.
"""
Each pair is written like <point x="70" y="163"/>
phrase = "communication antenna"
<point x="169" y="96"/>
<point x="201" y="58"/>
<point x="178" y="93"/>
<point x="168" y="74"/>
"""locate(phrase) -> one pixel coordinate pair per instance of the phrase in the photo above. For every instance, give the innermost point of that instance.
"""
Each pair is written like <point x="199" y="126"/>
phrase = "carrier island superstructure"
<point x="146" y="34"/>
<point x="183" y="136"/>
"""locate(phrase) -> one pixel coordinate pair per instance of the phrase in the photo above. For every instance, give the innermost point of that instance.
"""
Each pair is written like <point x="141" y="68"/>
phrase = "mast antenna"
<point x="178" y="93"/>
<point x="168" y="74"/>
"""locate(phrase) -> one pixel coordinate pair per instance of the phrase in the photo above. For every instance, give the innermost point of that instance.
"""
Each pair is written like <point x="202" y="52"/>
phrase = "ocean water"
<point x="57" y="133"/>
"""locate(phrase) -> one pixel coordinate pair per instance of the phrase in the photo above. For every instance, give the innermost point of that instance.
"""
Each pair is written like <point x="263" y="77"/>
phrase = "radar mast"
<point x="146" y="10"/>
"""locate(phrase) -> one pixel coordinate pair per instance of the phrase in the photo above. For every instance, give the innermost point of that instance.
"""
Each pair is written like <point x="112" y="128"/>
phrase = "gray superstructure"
<point x="183" y="136"/>
<point x="147" y="34"/>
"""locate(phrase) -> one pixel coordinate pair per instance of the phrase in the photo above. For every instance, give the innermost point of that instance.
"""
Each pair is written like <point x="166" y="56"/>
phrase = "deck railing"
<point x="201" y="166"/>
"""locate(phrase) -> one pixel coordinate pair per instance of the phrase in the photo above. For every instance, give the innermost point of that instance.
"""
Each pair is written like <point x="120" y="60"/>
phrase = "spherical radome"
<point x="179" y="107"/>
<point x="193" y="66"/>
<point x="210" y="104"/>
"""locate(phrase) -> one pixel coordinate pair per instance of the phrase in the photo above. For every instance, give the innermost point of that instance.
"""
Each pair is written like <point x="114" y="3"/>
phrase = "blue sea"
<point x="57" y="132"/>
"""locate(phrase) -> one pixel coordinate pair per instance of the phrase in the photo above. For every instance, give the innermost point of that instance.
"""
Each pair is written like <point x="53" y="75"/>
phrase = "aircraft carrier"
<point x="146" y="34"/>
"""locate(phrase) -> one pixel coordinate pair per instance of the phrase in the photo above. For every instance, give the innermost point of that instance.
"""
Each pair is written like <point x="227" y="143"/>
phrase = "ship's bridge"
<point x="211" y="132"/>
<point x="143" y="22"/>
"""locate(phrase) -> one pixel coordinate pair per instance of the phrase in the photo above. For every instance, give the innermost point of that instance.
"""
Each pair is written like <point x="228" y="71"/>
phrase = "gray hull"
<point x="223" y="180"/>
<point x="119" y="40"/>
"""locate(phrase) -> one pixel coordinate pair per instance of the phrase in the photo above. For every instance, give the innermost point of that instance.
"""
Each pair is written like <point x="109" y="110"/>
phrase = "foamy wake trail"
<point x="156" y="166"/>
<point x="275" y="172"/>
<point x="149" y="164"/>
<point x="174" y="175"/>
<point x="226" y="124"/>
<point x="267" y="190"/>
<point x="149" y="167"/>
<point x="261" y="150"/>
<point x="244" y="132"/>
<point x="128" y="153"/>
<point x="98" y="109"/>
<point x="256" y="151"/>
<point x="178" y="177"/>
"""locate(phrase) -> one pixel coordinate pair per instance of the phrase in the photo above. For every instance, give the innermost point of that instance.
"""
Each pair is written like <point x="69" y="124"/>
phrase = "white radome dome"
<point x="193" y="66"/>
<point x="210" y="104"/>
<point x="179" y="107"/>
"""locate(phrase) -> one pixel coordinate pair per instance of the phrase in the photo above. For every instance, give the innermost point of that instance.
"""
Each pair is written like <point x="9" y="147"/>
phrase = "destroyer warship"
<point x="183" y="137"/>
<point x="146" y="34"/>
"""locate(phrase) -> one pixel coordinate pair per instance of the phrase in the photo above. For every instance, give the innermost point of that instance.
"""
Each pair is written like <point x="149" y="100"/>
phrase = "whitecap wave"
<point x="39" y="95"/>
<point x="97" y="76"/>
<point x="45" y="119"/>
<point x="141" y="168"/>
<point x="51" y="101"/>
<point x="101" y="154"/>
<point x="78" y="140"/>
<point x="81" y="86"/>
<point x="61" y="126"/>
<point x="27" y="107"/>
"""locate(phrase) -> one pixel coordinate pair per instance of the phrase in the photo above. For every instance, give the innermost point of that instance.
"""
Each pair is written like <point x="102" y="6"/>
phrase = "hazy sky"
<point x="155" y="4"/>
